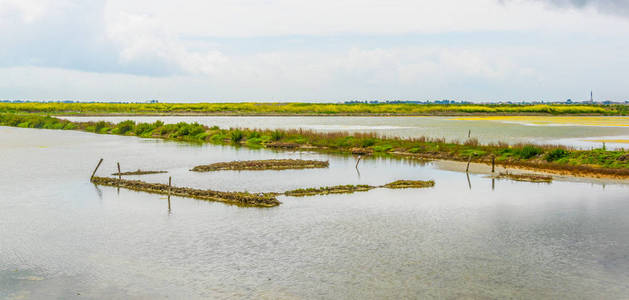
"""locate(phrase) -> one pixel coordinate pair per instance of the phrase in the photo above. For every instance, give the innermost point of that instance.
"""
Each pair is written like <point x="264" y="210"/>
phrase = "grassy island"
<point x="557" y="159"/>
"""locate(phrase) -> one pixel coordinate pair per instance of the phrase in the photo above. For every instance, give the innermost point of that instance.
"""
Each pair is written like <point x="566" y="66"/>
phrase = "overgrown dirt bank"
<point x="238" y="198"/>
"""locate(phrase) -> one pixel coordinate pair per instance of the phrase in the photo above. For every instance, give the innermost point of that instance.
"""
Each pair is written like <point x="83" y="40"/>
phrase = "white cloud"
<point x="350" y="49"/>
<point x="226" y="18"/>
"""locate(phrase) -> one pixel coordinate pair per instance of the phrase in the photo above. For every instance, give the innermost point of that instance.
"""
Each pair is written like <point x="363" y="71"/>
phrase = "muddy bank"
<point x="270" y="164"/>
<point x="537" y="166"/>
<point x="484" y="168"/>
<point x="139" y="172"/>
<point x="238" y="198"/>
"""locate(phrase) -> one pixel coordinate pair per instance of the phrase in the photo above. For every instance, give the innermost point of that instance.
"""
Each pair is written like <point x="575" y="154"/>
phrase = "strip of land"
<point x="139" y="172"/>
<point x="349" y="189"/>
<point x="237" y="198"/>
<point x="600" y="163"/>
<point x="310" y="109"/>
<point x="268" y="164"/>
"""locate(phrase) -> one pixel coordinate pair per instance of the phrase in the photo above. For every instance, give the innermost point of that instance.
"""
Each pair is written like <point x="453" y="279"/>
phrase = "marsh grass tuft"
<point x="405" y="184"/>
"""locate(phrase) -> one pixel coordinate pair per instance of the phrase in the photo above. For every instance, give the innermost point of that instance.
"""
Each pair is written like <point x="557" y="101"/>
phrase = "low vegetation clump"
<point x="555" y="155"/>
<point x="339" y="189"/>
<point x="138" y="172"/>
<point x="269" y="164"/>
<point x="596" y="162"/>
<point x="310" y="108"/>
<point x="238" y="198"/>
<point x="348" y="189"/>
<point x="525" y="177"/>
<point x="405" y="184"/>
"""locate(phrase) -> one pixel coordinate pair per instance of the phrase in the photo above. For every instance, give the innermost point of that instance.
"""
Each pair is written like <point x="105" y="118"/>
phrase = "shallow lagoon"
<point x="62" y="236"/>
<point x="581" y="132"/>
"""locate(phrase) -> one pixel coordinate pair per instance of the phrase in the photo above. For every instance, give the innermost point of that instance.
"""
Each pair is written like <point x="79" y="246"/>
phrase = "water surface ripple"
<point x="63" y="237"/>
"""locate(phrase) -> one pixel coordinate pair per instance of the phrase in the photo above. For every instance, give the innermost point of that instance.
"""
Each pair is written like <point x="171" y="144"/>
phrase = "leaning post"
<point x="119" y="173"/>
<point x="96" y="169"/>
<point x="467" y="169"/>
<point x="358" y="161"/>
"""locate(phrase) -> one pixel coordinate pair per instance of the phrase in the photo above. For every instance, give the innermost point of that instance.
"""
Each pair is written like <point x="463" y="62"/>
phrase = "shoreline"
<point x="596" y="163"/>
<point x="485" y="169"/>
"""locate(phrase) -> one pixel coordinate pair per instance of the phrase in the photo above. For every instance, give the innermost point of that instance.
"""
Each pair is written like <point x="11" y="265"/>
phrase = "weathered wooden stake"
<point x="467" y="169"/>
<point x="359" y="158"/>
<point x="119" y="173"/>
<point x="98" y="165"/>
<point x="169" y="184"/>
<point x="469" y="183"/>
<point x="493" y="163"/>
<point x="469" y="133"/>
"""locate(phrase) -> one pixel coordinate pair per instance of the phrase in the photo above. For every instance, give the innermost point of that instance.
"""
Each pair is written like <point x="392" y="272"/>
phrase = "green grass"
<point x="553" y="157"/>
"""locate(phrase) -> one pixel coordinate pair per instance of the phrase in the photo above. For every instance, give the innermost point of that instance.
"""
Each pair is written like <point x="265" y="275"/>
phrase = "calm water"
<point x="485" y="130"/>
<point x="64" y="238"/>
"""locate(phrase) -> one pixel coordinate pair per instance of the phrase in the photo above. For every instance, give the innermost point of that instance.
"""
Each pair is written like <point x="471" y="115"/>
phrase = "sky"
<point x="314" y="51"/>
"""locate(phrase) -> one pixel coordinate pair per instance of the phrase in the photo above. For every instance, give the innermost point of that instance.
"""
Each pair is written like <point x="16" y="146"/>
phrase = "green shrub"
<point x="99" y="125"/>
<point x="529" y="151"/>
<point x="368" y="142"/>
<point x="125" y="126"/>
<point x="277" y="135"/>
<point x="555" y="155"/>
<point x="236" y="136"/>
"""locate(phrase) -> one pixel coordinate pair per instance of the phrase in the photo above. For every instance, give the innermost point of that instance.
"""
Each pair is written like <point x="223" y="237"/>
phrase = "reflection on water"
<point x="501" y="239"/>
<point x="485" y="129"/>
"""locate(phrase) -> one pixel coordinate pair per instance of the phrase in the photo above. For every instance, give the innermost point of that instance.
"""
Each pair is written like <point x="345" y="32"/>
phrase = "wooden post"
<point x="467" y="169"/>
<point x="493" y="163"/>
<point x="98" y="165"/>
<point x="469" y="133"/>
<point x="169" y="185"/>
<point x="119" y="173"/>
<point x="359" y="158"/>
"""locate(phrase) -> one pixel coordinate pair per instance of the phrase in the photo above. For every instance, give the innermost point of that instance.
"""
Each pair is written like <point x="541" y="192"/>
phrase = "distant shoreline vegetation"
<point x="552" y="158"/>
<point x="307" y="109"/>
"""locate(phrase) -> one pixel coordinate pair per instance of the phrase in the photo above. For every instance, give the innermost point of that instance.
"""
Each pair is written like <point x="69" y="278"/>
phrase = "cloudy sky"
<point x="323" y="50"/>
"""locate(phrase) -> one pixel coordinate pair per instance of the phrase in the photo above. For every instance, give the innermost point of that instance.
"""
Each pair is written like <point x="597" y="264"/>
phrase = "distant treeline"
<point x="550" y="157"/>
<point x="309" y="108"/>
